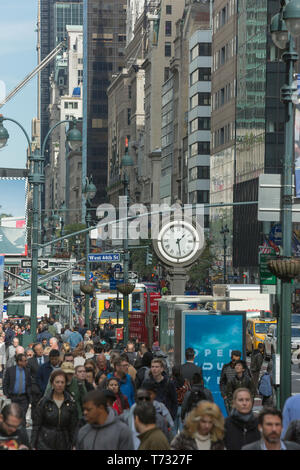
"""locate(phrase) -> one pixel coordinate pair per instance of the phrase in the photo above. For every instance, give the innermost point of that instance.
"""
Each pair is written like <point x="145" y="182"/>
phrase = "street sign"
<point x="266" y="277"/>
<point x="42" y="263"/>
<point x="132" y="275"/>
<point x="104" y="257"/>
<point x="269" y="199"/>
<point x="114" y="282"/>
<point x="118" y="268"/>
<point x="118" y="276"/>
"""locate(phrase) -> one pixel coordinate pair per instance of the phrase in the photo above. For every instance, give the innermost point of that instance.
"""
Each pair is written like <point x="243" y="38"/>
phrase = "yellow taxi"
<point x="256" y="331"/>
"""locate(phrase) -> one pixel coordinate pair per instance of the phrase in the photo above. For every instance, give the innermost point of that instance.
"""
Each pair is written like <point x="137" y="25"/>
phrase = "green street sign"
<point x="266" y="277"/>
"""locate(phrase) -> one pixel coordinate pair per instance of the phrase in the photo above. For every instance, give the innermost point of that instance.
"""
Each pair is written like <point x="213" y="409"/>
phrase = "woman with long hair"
<point x="203" y="429"/>
<point x="121" y="402"/>
<point x="55" y="417"/>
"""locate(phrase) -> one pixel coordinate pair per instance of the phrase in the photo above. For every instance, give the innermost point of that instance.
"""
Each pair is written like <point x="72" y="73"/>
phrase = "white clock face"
<point x="178" y="241"/>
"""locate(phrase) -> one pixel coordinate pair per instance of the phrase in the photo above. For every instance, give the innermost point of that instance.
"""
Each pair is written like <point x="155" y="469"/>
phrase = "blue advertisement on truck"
<point x="213" y="337"/>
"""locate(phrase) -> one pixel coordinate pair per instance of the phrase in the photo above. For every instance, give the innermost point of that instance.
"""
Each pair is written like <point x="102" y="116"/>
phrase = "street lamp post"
<point x="125" y="163"/>
<point x="224" y="231"/>
<point x="36" y="179"/>
<point x="89" y="192"/>
<point x="284" y="25"/>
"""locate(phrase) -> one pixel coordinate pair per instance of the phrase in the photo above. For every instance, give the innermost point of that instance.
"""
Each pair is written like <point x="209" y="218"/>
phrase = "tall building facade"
<point x="223" y="117"/>
<point x="63" y="168"/>
<point x="247" y="125"/>
<point x="260" y="120"/>
<point x="199" y="136"/>
<point x="55" y="15"/>
<point x="104" y="44"/>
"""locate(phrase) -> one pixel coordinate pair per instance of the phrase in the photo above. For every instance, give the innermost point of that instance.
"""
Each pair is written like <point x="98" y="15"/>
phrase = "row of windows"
<point x="202" y="74"/>
<point x="71" y="105"/>
<point x="199" y="148"/>
<point x="199" y="197"/>
<point x="223" y="16"/>
<point x="200" y="99"/>
<point x="224" y="95"/>
<point x="199" y="173"/>
<point x="202" y="49"/>
<point x="224" y="54"/>
<point x="102" y="66"/>
<point x="200" y="124"/>
<point x="223" y="135"/>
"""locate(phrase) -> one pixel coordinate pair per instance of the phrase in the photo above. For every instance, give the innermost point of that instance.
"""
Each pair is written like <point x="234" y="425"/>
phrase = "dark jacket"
<point x="256" y="360"/>
<point x="54" y="427"/>
<point x="227" y="373"/>
<point x="239" y="433"/>
<point x="189" y="369"/>
<point x="114" y="434"/>
<point x="258" y="446"/>
<point x="186" y="404"/>
<point x="166" y="393"/>
<point x="239" y="382"/>
<point x="10" y="379"/>
<point x="9" y="335"/>
<point x="154" y="439"/>
<point x="183" y="441"/>
<point x="293" y="432"/>
<point x="43" y="375"/>
<point x="33" y="366"/>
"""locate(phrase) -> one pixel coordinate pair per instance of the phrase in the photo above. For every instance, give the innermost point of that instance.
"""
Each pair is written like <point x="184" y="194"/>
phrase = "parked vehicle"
<point x="271" y="340"/>
<point x="256" y="331"/>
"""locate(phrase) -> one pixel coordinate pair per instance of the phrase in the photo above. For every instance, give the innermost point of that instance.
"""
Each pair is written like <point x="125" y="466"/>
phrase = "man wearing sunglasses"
<point x="12" y="434"/>
<point x="145" y="396"/>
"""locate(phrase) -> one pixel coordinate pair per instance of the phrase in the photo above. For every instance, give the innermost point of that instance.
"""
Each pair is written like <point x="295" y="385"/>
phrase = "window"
<point x="128" y="116"/>
<point x="168" y="28"/>
<point x="203" y="74"/>
<point x="169" y="9"/>
<point x="201" y="49"/>
<point x="200" y="124"/>
<point x="166" y="74"/>
<point x="199" y="173"/>
<point x="200" y="148"/>
<point x="202" y="196"/>
<point x="204" y="49"/>
<point x="168" y="49"/>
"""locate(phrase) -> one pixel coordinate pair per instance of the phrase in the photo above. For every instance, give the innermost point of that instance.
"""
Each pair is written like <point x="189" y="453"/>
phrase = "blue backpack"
<point x="265" y="387"/>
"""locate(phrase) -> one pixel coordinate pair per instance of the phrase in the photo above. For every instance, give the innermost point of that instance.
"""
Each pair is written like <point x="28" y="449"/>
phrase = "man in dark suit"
<point x="45" y="370"/>
<point x="17" y="384"/>
<point x="270" y="427"/>
<point x="189" y="368"/>
<point x="34" y="364"/>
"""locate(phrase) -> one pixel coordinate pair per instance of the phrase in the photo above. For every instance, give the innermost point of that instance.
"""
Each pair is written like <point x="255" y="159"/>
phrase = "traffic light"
<point x="149" y="257"/>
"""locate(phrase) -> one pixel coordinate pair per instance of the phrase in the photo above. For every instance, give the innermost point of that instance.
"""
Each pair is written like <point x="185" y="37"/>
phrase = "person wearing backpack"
<point x="194" y="395"/>
<point x="182" y="386"/>
<point x="265" y="387"/>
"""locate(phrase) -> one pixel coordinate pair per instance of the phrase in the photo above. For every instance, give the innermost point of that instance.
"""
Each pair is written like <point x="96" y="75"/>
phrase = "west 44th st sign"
<point x="104" y="257"/>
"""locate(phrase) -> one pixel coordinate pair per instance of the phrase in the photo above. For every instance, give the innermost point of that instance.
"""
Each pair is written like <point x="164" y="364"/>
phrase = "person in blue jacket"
<point x="126" y="383"/>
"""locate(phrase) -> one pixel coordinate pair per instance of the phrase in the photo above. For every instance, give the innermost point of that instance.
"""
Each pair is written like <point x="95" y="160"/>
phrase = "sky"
<point x="18" y="57"/>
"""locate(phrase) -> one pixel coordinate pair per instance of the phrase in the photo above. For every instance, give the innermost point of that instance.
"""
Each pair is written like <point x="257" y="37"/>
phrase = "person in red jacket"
<point x="121" y="402"/>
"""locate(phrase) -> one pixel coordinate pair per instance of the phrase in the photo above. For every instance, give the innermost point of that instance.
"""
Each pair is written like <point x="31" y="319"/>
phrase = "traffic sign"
<point x="266" y="277"/>
<point x="42" y="263"/>
<point x="118" y="276"/>
<point x="104" y="257"/>
<point x="118" y="268"/>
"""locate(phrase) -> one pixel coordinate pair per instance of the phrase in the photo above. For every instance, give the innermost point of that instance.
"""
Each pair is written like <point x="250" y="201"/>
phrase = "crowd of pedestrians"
<point x="81" y="394"/>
